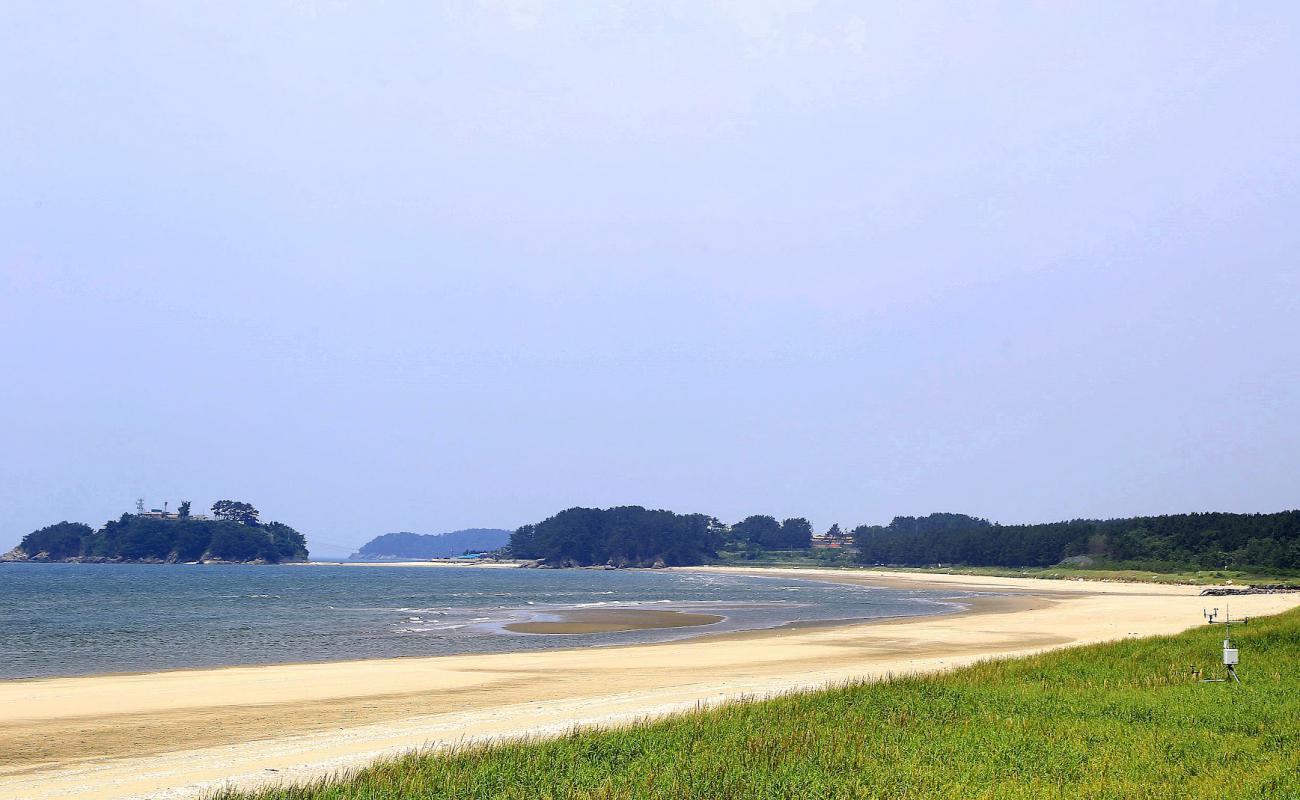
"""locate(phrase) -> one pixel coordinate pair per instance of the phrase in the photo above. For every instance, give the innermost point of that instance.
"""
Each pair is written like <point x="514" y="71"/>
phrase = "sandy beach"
<point x="180" y="733"/>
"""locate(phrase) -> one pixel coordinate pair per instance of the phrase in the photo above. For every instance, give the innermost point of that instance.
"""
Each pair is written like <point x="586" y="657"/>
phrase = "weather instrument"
<point x="1229" y="652"/>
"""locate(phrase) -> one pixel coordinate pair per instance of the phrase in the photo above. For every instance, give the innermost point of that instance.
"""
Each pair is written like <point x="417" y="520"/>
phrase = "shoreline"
<point x="446" y="562"/>
<point x="550" y="622"/>
<point x="567" y="622"/>
<point x="184" y="732"/>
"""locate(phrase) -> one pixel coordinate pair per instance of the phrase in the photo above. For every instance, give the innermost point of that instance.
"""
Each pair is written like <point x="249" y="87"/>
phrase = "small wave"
<point x="426" y="629"/>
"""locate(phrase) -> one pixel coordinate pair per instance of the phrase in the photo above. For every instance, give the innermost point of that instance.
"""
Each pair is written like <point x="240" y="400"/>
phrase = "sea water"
<point x="78" y="619"/>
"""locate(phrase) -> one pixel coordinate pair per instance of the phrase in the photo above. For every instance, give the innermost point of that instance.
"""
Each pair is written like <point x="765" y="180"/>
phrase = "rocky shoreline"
<point x="1266" y="588"/>
<point x="17" y="556"/>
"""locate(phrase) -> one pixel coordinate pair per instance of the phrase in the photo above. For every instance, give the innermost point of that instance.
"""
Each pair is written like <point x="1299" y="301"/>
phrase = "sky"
<point x="420" y="266"/>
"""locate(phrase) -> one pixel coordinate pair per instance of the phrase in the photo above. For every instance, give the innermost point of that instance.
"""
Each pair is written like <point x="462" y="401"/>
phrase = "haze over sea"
<point x="76" y="619"/>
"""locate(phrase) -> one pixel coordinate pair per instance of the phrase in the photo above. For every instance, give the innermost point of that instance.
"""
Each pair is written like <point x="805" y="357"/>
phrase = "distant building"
<point x="162" y="513"/>
<point x="821" y="541"/>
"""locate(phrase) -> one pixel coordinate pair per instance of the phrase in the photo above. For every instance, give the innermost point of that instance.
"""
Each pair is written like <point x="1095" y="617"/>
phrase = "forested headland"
<point x="236" y="535"/>
<point x="632" y="536"/>
<point x="1164" y="543"/>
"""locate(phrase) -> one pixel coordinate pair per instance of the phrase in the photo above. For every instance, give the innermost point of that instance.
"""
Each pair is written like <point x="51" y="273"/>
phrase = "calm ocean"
<point x="77" y="619"/>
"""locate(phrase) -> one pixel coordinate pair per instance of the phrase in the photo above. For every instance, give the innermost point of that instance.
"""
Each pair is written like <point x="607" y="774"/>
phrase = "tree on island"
<point x="56" y="542"/>
<point x="235" y="511"/>
<point x="624" y="536"/>
<point x="135" y="537"/>
<point x="183" y="510"/>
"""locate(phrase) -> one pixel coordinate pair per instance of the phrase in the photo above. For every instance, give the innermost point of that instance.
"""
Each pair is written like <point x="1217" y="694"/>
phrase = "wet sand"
<point x="612" y="620"/>
<point x="185" y="732"/>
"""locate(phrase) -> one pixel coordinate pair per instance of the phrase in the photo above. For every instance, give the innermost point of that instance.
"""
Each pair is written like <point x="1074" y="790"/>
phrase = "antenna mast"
<point x="1229" y="652"/>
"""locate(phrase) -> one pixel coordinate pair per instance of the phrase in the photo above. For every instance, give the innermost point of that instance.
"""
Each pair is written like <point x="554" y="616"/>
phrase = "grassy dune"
<point x="1124" y="720"/>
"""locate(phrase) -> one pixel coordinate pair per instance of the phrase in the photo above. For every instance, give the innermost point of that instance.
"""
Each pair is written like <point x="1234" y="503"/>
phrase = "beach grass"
<point x="1128" y="719"/>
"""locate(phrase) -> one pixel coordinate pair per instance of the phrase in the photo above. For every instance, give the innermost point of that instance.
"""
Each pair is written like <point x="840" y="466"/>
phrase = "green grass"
<point x="1124" y="720"/>
<point x="787" y="558"/>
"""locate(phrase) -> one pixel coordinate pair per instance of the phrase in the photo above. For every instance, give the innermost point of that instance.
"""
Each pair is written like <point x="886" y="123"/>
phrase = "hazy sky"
<point x="381" y="266"/>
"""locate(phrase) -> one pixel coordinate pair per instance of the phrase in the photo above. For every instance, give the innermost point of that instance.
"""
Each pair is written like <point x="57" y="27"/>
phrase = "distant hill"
<point x="392" y="546"/>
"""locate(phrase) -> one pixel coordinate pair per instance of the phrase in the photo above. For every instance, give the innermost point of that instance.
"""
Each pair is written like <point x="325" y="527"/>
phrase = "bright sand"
<point x="180" y="733"/>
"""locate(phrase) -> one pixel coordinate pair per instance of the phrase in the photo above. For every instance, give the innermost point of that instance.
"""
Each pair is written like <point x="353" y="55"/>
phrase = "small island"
<point x="403" y="545"/>
<point x="234" y="534"/>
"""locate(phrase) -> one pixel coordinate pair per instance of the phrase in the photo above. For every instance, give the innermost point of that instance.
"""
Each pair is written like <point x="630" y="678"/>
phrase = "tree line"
<point x="1170" y="542"/>
<point x="633" y="536"/>
<point x="236" y="535"/>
